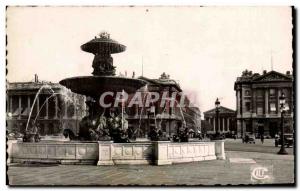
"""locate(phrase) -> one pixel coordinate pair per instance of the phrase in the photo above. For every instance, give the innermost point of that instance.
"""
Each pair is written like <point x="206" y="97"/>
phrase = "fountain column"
<point x="20" y="106"/>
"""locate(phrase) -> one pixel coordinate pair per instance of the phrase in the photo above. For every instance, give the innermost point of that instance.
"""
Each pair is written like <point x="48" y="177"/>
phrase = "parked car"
<point x="249" y="139"/>
<point x="288" y="140"/>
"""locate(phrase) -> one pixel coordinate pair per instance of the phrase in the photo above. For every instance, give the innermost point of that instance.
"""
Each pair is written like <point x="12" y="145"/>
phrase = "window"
<point x="273" y="107"/>
<point x="272" y="92"/>
<point x="260" y="110"/>
<point x="247" y="93"/>
<point x="247" y="105"/>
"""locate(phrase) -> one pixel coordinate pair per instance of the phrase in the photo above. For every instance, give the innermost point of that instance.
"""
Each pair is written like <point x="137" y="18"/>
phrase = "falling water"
<point x="64" y="91"/>
<point x="145" y="89"/>
<point x="179" y="108"/>
<point x="35" y="98"/>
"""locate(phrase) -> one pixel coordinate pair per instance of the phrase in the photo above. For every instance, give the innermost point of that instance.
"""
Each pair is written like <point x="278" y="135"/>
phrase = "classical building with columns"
<point x="226" y="121"/>
<point x="167" y="119"/>
<point x="54" y="108"/>
<point x="257" y="102"/>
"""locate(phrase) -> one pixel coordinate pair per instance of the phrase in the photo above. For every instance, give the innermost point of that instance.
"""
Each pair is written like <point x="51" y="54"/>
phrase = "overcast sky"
<point x="203" y="48"/>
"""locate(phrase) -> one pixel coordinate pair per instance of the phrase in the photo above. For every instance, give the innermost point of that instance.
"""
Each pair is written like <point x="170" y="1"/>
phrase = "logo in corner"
<point x="261" y="174"/>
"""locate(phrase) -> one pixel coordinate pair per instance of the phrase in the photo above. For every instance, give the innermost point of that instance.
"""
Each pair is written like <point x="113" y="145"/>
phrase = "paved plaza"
<point x="236" y="169"/>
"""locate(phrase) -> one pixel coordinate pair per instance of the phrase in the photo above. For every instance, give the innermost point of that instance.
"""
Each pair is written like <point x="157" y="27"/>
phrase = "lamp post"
<point x="217" y="104"/>
<point x="282" y="150"/>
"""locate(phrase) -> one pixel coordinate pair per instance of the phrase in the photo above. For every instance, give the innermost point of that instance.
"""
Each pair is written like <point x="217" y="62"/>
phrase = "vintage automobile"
<point x="288" y="140"/>
<point x="249" y="138"/>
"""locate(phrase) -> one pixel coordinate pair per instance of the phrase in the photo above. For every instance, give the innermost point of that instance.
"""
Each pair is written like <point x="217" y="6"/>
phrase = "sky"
<point x="203" y="48"/>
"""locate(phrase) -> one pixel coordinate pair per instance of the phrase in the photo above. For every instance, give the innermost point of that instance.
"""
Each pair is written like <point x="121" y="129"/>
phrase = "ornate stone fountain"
<point x="99" y="122"/>
<point x="102" y="124"/>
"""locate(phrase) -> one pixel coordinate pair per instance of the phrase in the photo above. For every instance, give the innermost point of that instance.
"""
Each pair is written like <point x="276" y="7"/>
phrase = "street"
<point x="240" y="161"/>
<point x="267" y="147"/>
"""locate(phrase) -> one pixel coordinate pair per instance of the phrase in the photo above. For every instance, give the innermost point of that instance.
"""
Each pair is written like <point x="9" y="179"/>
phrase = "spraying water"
<point x="143" y="108"/>
<point x="180" y="108"/>
<point x="64" y="91"/>
<point x="35" y="98"/>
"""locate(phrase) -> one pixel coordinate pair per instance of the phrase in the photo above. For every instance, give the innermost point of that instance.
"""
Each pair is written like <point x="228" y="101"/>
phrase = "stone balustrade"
<point x="109" y="153"/>
<point x="59" y="152"/>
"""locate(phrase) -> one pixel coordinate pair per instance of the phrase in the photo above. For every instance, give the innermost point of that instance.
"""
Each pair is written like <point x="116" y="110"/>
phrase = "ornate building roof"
<point x="223" y="110"/>
<point x="31" y="85"/>
<point x="163" y="80"/>
<point x="270" y="77"/>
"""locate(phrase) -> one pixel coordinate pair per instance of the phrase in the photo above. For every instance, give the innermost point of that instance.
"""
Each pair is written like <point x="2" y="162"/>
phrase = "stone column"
<point x="266" y="102"/>
<point x="253" y="101"/>
<point x="214" y="122"/>
<point x="227" y="129"/>
<point x="47" y="105"/>
<point x="219" y="123"/>
<point x="241" y="102"/>
<point x="278" y="102"/>
<point x="28" y="104"/>
<point x="223" y="124"/>
<point x="239" y="128"/>
<point x="238" y="102"/>
<point x="56" y="107"/>
<point x="20" y="106"/>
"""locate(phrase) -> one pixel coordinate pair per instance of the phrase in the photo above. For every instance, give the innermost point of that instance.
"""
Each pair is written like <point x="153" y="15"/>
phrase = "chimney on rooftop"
<point x="36" y="78"/>
<point x="265" y="71"/>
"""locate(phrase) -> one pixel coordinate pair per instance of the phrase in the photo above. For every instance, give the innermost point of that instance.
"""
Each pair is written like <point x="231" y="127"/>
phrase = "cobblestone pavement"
<point x="222" y="172"/>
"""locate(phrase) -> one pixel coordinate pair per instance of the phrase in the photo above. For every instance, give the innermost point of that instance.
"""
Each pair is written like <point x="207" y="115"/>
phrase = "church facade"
<point x="257" y="102"/>
<point x="226" y="121"/>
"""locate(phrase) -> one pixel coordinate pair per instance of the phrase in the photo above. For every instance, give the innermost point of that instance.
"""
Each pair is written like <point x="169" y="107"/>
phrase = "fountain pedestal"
<point x="105" y="153"/>
<point x="161" y="153"/>
<point x="220" y="150"/>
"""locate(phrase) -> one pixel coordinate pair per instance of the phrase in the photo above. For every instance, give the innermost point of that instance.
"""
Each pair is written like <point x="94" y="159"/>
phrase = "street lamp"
<point x="217" y="104"/>
<point x="282" y="150"/>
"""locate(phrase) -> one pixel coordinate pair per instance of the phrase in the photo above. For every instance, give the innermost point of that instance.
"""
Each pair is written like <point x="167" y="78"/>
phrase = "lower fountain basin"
<point x="96" y="85"/>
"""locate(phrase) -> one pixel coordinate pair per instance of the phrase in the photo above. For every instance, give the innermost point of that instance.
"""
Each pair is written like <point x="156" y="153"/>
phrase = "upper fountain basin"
<point x="103" y="46"/>
<point x="96" y="85"/>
